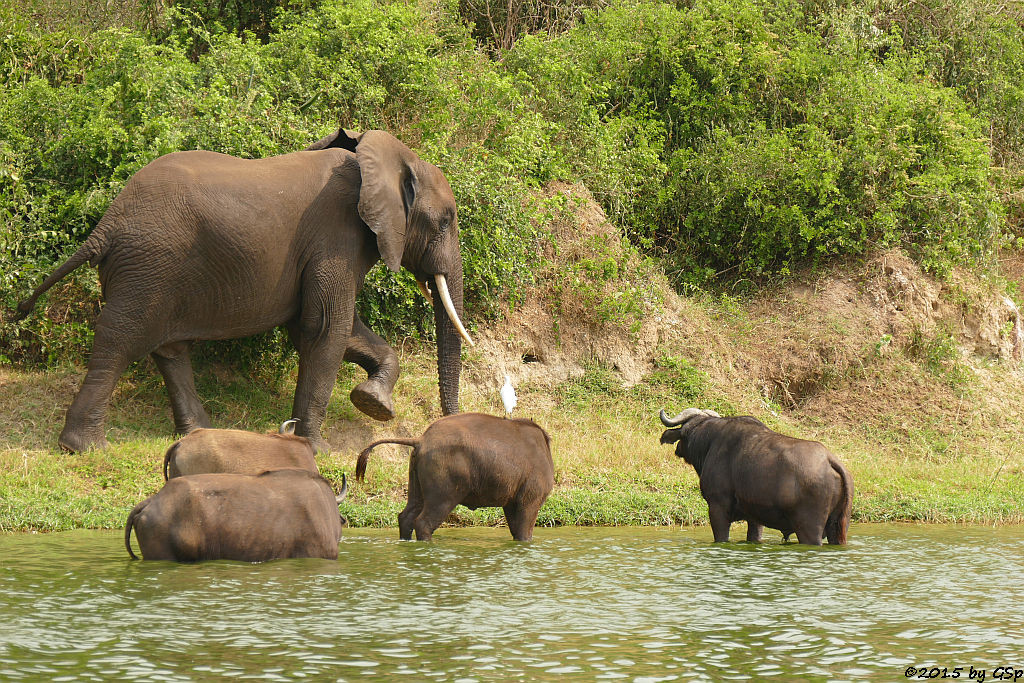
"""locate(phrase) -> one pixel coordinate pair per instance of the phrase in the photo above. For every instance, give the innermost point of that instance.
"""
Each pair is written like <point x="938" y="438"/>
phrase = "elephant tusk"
<point x="288" y="426"/>
<point x="426" y="292"/>
<point x="449" y="307"/>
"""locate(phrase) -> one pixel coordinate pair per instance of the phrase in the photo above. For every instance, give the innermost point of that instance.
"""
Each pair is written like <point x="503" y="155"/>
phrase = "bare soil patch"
<point x="785" y="347"/>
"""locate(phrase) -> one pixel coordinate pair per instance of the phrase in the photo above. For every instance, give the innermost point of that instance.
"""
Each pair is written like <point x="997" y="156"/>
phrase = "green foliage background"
<point x="733" y="140"/>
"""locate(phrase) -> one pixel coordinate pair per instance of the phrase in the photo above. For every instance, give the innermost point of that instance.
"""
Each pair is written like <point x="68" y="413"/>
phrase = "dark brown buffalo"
<point x="749" y="472"/>
<point x="252" y="518"/>
<point x="209" y="451"/>
<point x="476" y="460"/>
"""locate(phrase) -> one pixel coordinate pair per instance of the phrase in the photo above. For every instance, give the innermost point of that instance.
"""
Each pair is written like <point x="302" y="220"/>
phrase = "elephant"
<point x="750" y="472"/>
<point x="477" y="460"/>
<point x="200" y="245"/>
<point x="252" y="518"/>
<point x="208" y="451"/>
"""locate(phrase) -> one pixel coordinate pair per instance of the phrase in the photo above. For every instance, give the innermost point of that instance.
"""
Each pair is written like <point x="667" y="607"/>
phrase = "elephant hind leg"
<point x="112" y="351"/>
<point x="175" y="365"/>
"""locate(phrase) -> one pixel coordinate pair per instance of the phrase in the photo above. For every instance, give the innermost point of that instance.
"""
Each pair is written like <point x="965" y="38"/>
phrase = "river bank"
<point x="610" y="468"/>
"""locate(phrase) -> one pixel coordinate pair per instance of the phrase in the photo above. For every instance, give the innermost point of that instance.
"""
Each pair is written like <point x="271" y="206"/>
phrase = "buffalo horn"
<point x="711" y="413"/>
<point x="680" y="418"/>
<point x="344" y="490"/>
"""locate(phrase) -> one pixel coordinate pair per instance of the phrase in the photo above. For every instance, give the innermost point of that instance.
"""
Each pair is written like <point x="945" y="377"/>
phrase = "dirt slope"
<point x="784" y="348"/>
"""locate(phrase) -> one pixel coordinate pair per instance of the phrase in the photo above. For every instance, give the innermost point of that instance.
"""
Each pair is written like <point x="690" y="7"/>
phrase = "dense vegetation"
<point x="732" y="139"/>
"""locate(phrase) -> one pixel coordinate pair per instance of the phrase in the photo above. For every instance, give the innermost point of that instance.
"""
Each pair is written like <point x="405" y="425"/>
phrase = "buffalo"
<point x="209" y="451"/>
<point x="477" y="460"/>
<point x="750" y="473"/>
<point x="252" y="518"/>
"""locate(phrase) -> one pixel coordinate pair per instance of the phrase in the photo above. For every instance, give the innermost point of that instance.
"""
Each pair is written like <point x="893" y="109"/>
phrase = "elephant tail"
<point x="365" y="455"/>
<point x="91" y="250"/>
<point x="839" y="520"/>
<point x="130" y="524"/>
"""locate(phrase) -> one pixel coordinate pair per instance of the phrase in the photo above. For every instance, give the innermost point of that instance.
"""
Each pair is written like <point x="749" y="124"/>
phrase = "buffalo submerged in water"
<point x="750" y="473"/>
<point x="252" y="518"/>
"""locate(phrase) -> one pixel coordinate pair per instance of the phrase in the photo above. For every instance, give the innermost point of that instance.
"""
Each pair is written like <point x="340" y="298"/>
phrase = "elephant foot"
<point x="373" y="399"/>
<point x="188" y="426"/>
<point x="75" y="441"/>
<point x="319" y="444"/>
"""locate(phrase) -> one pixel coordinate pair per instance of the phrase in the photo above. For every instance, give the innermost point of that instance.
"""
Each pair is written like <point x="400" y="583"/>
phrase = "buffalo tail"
<point x="167" y="458"/>
<point x="839" y="519"/>
<point x="129" y="525"/>
<point x="365" y="455"/>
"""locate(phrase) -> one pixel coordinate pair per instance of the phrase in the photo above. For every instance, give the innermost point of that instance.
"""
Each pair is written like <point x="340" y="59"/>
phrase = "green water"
<point x="576" y="604"/>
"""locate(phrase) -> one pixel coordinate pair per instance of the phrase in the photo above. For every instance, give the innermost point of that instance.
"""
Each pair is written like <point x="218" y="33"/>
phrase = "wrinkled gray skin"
<point x="476" y="460"/>
<point x="201" y="245"/>
<point x="750" y="473"/>
<point x="208" y="451"/>
<point x="251" y="518"/>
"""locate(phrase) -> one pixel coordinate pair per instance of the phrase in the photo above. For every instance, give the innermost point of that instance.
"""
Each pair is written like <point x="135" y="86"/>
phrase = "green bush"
<point x="780" y="147"/>
<point x="75" y="127"/>
<point x="734" y="139"/>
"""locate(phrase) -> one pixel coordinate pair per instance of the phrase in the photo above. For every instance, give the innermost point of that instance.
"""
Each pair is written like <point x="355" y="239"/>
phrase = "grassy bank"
<point x="610" y="468"/>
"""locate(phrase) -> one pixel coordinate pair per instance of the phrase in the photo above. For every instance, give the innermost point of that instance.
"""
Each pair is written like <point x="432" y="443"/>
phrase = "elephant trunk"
<point x="449" y="341"/>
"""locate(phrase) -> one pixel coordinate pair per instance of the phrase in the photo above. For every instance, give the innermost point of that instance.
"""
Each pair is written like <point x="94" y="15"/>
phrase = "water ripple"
<point x="580" y="604"/>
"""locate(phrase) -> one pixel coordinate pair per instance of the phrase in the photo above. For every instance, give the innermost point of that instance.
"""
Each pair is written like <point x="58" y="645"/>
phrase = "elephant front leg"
<point x="175" y="365"/>
<point x="318" y="371"/>
<point x="373" y="354"/>
<point x="321" y="334"/>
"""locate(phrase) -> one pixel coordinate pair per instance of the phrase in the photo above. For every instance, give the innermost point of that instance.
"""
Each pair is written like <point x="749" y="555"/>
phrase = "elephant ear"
<point x="343" y="139"/>
<point x="387" y="192"/>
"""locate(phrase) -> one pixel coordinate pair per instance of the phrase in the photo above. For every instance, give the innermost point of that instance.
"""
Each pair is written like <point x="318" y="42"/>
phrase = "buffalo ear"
<point x="671" y="435"/>
<point x="388" y="191"/>
<point x="343" y="139"/>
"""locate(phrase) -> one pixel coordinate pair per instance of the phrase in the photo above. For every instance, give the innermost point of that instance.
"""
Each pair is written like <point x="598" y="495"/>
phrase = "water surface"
<point x="580" y="604"/>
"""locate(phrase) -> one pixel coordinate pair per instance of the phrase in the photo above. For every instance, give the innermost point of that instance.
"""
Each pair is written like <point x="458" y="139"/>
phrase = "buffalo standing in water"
<point x="477" y="460"/>
<point x="749" y="472"/>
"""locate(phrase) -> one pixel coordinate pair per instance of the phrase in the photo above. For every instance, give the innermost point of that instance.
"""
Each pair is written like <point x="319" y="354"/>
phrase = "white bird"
<point x="508" y="396"/>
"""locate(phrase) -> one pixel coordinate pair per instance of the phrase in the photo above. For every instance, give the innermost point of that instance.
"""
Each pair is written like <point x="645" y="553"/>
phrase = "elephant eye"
<point x="447" y="220"/>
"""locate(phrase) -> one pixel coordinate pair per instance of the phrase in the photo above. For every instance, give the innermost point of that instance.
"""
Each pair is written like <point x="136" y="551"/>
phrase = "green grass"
<point x="932" y="464"/>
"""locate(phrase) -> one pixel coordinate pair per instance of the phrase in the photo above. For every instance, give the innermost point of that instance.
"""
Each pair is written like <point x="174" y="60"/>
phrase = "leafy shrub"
<point x="779" y="146"/>
<point x="734" y="138"/>
<point x="76" y="127"/>
<point x="498" y="24"/>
